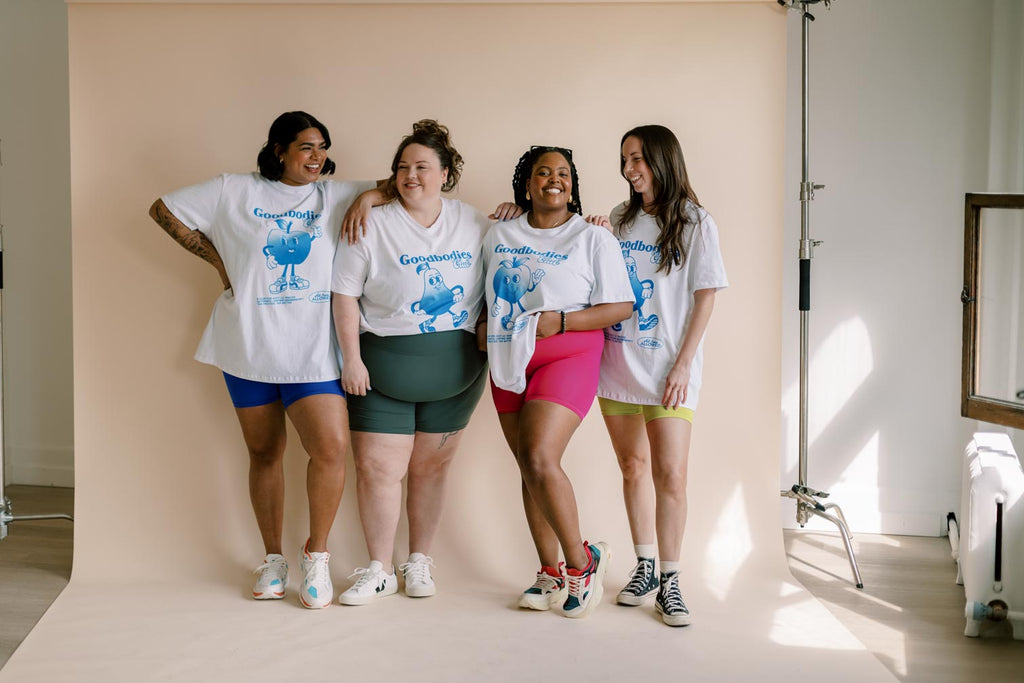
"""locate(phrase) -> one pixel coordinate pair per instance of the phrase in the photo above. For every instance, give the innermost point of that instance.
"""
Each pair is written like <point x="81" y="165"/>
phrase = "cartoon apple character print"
<point x="288" y="248"/>
<point x="510" y="285"/>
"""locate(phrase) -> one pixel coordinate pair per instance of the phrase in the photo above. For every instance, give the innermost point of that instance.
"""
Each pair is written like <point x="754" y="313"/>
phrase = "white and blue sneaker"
<point x="271" y="578"/>
<point x="643" y="583"/>
<point x="418" y="581"/>
<point x="669" y="602"/>
<point x="547" y="591"/>
<point x="373" y="583"/>
<point x="317" y="590"/>
<point x="585" y="589"/>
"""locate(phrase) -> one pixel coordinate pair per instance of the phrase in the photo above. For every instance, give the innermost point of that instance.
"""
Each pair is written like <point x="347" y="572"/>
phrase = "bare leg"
<point x="544" y="431"/>
<point x="428" y="473"/>
<point x="264" y="433"/>
<point x="544" y="539"/>
<point x="670" y="449"/>
<point x="381" y="463"/>
<point x="321" y="421"/>
<point x="633" y="451"/>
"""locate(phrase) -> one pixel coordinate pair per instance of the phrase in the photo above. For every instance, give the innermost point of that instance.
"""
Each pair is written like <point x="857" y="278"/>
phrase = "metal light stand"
<point x="807" y="499"/>
<point x="6" y="516"/>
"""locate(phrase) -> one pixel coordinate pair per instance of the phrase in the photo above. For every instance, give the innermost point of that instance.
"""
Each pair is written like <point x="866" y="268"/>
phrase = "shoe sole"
<point x="420" y="592"/>
<point x="542" y="603"/>
<point x="267" y="596"/>
<point x="673" y="620"/>
<point x="355" y="600"/>
<point x="309" y="606"/>
<point x="634" y="600"/>
<point x="595" y="599"/>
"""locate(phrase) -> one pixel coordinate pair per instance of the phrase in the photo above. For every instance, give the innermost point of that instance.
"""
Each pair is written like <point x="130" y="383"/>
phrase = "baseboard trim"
<point x="33" y="466"/>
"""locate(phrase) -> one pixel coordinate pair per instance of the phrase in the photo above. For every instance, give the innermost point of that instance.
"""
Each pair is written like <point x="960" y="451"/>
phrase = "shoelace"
<point x="318" y="571"/>
<point x="365" y="576"/>
<point x="672" y="599"/>
<point x="641" y="579"/>
<point x="418" y="571"/>
<point x="546" y="583"/>
<point x="575" y="583"/>
<point x="273" y="564"/>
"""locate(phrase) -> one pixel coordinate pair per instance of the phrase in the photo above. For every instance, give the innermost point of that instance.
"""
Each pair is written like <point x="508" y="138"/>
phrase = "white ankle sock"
<point x="646" y="550"/>
<point x="667" y="567"/>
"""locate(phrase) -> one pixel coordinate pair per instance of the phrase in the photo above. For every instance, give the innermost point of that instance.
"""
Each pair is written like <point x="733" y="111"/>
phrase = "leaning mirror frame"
<point x="972" y="404"/>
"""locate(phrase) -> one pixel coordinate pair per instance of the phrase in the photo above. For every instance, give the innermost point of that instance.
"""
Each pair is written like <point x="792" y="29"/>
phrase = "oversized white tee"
<point x="277" y="242"/>
<point x="412" y="279"/>
<point x="574" y="266"/>
<point x="640" y="351"/>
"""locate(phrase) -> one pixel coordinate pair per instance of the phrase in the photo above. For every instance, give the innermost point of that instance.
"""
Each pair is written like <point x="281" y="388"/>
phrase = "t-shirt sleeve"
<point x="707" y="270"/>
<point x="346" y="191"/>
<point x="196" y="205"/>
<point x="351" y="264"/>
<point x="611" y="281"/>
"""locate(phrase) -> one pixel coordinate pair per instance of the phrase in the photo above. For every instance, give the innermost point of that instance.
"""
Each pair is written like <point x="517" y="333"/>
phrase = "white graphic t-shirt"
<point x="529" y="270"/>
<point x="277" y="243"/>
<point x="640" y="351"/>
<point x="411" y="279"/>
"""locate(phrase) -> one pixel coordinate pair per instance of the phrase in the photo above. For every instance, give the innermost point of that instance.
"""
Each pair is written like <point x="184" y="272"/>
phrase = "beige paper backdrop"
<point x="164" y="96"/>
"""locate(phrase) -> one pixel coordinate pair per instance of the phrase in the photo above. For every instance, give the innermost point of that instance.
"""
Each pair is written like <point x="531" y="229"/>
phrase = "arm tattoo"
<point x="192" y="240"/>
<point x="444" y="439"/>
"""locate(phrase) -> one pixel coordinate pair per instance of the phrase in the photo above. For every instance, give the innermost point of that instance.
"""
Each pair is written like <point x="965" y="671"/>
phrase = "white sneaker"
<point x="271" y="578"/>
<point x="418" y="582"/>
<point x="317" y="589"/>
<point x="373" y="583"/>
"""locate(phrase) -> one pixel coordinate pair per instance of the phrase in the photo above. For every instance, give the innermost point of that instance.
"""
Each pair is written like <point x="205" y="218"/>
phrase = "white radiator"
<point x="991" y="543"/>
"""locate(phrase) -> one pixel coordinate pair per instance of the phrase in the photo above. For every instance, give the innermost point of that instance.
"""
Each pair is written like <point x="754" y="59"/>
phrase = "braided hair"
<point x="524" y="169"/>
<point x="675" y="203"/>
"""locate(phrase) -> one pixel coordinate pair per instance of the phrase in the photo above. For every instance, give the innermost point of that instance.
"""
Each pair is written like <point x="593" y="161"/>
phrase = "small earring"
<point x="527" y="195"/>
<point x="280" y="160"/>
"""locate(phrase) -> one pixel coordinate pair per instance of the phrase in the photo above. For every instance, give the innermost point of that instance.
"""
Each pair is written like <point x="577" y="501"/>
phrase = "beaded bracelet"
<point x="562" y="331"/>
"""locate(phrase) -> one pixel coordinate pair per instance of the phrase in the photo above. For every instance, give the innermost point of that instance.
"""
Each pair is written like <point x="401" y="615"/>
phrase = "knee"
<point x="265" y="455"/>
<point x="634" y="466"/>
<point x="536" y="464"/>
<point x="429" y="469"/>
<point x="670" y="482"/>
<point x="373" y="471"/>
<point x="329" y="450"/>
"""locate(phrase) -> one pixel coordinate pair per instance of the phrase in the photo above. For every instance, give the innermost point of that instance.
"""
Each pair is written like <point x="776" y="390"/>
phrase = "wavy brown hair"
<point x="429" y="133"/>
<point x="673" y="193"/>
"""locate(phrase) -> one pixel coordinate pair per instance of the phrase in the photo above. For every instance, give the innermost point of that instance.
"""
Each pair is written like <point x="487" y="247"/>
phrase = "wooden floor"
<point x="35" y="561"/>
<point x="908" y="615"/>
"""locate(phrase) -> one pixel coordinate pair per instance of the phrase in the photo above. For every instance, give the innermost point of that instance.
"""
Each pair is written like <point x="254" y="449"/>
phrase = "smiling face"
<point x="304" y="158"/>
<point x="550" y="184"/>
<point x="419" y="176"/>
<point x="635" y="169"/>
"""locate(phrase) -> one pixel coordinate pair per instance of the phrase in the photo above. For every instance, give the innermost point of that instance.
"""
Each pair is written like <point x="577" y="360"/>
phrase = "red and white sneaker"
<point x="317" y="590"/>
<point x="547" y="591"/>
<point x="585" y="585"/>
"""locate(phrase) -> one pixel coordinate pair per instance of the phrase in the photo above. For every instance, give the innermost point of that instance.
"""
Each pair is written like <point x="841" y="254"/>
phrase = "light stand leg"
<point x="807" y="502"/>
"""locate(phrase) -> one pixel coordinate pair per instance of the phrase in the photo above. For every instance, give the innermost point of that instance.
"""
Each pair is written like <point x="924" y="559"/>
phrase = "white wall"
<point x="899" y="132"/>
<point x="35" y="209"/>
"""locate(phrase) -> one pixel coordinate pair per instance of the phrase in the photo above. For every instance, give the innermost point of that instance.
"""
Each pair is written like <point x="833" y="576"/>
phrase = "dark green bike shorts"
<point x="419" y="383"/>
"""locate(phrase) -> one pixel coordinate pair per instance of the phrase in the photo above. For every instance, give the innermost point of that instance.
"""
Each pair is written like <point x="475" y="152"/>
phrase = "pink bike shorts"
<point x="565" y="369"/>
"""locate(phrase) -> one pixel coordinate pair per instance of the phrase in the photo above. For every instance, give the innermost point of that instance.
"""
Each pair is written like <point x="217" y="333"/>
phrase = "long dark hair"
<point x="430" y="133"/>
<point x="675" y="203"/>
<point x="524" y="169"/>
<point x="283" y="132"/>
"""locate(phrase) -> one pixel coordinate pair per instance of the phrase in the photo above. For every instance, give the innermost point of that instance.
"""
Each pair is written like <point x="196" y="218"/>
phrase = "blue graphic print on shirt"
<point x="437" y="299"/>
<point x="288" y="248"/>
<point x="510" y="285"/>
<point x="642" y="291"/>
